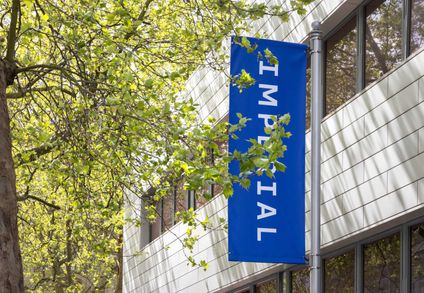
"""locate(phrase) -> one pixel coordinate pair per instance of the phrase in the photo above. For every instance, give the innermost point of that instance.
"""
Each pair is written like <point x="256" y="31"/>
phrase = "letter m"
<point x="269" y="101"/>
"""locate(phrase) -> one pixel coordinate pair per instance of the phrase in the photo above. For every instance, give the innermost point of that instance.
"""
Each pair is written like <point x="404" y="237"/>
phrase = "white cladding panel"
<point x="372" y="172"/>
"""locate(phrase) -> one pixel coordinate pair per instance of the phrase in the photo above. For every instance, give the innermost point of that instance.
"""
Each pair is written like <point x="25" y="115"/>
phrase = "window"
<point x="266" y="287"/>
<point x="377" y="38"/>
<point x="156" y="226"/>
<point x="339" y="273"/>
<point x="417" y="259"/>
<point x="382" y="265"/>
<point x="300" y="281"/>
<point x="223" y="149"/>
<point x="417" y="25"/>
<point x="168" y="211"/>
<point x="377" y="264"/>
<point x="383" y="40"/>
<point x="191" y="199"/>
<point x="341" y="66"/>
<point x="200" y="197"/>
<point x="181" y="200"/>
<point x="308" y="93"/>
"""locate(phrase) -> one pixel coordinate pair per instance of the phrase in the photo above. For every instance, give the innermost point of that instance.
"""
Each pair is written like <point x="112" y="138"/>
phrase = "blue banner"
<point x="266" y="223"/>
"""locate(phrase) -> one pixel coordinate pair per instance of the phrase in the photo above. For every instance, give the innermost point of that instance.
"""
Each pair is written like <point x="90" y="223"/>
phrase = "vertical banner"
<point x="266" y="223"/>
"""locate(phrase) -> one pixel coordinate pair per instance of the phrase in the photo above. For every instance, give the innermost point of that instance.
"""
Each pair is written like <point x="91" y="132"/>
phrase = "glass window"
<point x="339" y="273"/>
<point x="191" y="199"/>
<point x="168" y="211"/>
<point x="417" y="259"/>
<point x="180" y="198"/>
<point x="383" y="32"/>
<point x="223" y="149"/>
<point x="300" y="281"/>
<point x="417" y="25"/>
<point x="269" y="286"/>
<point x="156" y="226"/>
<point x="308" y="93"/>
<point x="382" y="265"/>
<point x="201" y="196"/>
<point x="341" y="66"/>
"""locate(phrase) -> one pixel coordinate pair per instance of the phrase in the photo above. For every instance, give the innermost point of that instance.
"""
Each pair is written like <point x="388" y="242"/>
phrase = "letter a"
<point x="266" y="211"/>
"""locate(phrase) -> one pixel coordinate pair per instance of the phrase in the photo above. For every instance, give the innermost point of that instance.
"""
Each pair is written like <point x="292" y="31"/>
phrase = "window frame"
<point x="284" y="279"/>
<point x="326" y="38"/>
<point x="359" y="13"/>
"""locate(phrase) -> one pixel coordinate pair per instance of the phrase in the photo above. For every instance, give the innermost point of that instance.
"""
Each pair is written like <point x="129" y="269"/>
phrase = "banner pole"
<point x="315" y="261"/>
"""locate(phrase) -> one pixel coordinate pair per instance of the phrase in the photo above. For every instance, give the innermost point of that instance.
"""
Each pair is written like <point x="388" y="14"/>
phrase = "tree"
<point x="90" y="108"/>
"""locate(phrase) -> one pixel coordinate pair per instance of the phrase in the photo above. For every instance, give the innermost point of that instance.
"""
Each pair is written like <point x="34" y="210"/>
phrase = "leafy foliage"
<point x="96" y="112"/>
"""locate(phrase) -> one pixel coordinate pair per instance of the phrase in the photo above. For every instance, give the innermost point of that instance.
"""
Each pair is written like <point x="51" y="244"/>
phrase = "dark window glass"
<point x="308" y="93"/>
<point x="300" y="281"/>
<point x="168" y="212"/>
<point x="156" y="226"/>
<point x="266" y="287"/>
<point x="340" y="273"/>
<point x="191" y="199"/>
<point x="382" y="265"/>
<point x="222" y="149"/>
<point x="341" y="66"/>
<point x="200" y="200"/>
<point x="202" y="196"/>
<point x="383" y="38"/>
<point x="180" y="198"/>
<point x="417" y="25"/>
<point x="417" y="259"/>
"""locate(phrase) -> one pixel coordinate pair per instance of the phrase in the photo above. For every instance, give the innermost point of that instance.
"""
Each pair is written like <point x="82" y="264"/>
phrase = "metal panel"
<point x="359" y="269"/>
<point x="360" y="57"/>
<point x="405" y="260"/>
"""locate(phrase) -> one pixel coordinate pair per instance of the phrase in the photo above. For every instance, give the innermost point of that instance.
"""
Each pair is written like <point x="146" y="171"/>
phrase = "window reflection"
<point x="417" y="259"/>
<point x="308" y="93"/>
<point x="300" y="281"/>
<point x="417" y="25"/>
<point x="168" y="212"/>
<point x="180" y="198"/>
<point x="383" y="38"/>
<point x="266" y="287"/>
<point x="340" y="273"/>
<point x="223" y="149"/>
<point x="382" y="265"/>
<point x="341" y="66"/>
<point x="156" y="226"/>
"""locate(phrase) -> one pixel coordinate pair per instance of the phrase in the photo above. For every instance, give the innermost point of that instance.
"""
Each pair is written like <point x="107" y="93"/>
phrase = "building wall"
<point x="372" y="173"/>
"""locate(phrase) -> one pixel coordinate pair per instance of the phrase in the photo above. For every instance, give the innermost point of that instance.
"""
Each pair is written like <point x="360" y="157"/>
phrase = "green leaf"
<point x="245" y="183"/>
<point x="228" y="189"/>
<point x="268" y="130"/>
<point x="148" y="83"/>
<point x="280" y="166"/>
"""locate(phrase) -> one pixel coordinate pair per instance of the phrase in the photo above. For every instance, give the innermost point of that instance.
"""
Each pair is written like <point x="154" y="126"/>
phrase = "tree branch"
<point x="11" y="38"/>
<point x="22" y="93"/>
<point x="377" y="52"/>
<point x="22" y="198"/>
<point x="36" y="153"/>
<point x="140" y="17"/>
<point x="40" y="66"/>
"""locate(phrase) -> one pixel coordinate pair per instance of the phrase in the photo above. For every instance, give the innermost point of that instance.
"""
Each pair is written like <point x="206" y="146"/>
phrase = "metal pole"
<point x="317" y="86"/>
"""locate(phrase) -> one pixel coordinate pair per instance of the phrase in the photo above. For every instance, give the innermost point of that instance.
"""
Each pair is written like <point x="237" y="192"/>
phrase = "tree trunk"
<point x="120" y="266"/>
<point x="11" y="275"/>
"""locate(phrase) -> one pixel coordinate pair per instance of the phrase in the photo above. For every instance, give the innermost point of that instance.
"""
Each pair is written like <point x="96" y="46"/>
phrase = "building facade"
<point x="372" y="166"/>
